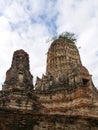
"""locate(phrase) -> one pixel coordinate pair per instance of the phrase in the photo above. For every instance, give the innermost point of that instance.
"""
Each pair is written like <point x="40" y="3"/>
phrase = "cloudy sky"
<point x="28" y="24"/>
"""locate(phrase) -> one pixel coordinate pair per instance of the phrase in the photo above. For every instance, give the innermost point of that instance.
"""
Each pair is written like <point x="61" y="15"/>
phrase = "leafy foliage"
<point x="70" y="37"/>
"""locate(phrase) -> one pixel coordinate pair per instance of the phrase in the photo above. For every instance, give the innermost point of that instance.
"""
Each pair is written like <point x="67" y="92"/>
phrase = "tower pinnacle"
<point x="18" y="76"/>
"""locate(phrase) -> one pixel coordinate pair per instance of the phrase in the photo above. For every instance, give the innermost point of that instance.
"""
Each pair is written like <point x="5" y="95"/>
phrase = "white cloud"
<point x="5" y="24"/>
<point x="75" y="16"/>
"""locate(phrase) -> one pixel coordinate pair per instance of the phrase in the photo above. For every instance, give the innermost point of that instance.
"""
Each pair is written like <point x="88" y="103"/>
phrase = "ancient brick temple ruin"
<point x="65" y="98"/>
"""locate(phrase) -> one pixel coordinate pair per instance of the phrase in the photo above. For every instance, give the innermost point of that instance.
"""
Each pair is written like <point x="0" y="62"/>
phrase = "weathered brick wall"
<point x="80" y="101"/>
<point x="26" y="120"/>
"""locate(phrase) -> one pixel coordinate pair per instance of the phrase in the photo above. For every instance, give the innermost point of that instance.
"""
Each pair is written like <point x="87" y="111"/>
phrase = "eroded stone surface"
<point x="65" y="98"/>
<point x="62" y="57"/>
<point x="19" y="75"/>
<point x="19" y="120"/>
<point x="64" y="69"/>
<point x="18" y="91"/>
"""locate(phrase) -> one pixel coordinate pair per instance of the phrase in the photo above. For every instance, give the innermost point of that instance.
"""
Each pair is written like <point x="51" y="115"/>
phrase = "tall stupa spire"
<point x="61" y="57"/>
<point x="64" y="69"/>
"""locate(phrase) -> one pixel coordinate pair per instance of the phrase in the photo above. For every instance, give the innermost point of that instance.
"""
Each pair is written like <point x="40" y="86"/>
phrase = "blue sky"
<point x="28" y="24"/>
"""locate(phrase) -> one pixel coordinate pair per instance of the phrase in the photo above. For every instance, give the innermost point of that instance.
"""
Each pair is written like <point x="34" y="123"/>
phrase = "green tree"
<point x="71" y="37"/>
